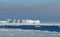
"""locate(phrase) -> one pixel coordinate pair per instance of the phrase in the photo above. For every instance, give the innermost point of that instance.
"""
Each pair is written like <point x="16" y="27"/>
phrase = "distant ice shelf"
<point x="26" y="22"/>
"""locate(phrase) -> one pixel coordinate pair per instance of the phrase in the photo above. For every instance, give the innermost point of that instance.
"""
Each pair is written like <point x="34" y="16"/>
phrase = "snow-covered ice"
<point x="27" y="33"/>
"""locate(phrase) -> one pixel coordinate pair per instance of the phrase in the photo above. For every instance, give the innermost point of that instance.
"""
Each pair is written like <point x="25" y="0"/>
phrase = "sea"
<point x="33" y="27"/>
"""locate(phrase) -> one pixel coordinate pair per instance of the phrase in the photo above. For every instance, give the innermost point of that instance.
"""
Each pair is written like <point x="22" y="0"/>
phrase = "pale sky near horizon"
<point x="32" y="1"/>
<point x="44" y="12"/>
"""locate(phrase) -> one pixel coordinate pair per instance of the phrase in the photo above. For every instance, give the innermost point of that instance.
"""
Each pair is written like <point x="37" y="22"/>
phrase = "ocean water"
<point x="33" y="27"/>
<point x="29" y="31"/>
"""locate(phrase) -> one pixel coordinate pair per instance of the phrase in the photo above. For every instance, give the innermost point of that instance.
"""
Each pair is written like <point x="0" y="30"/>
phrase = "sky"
<point x="33" y="1"/>
<point x="44" y="10"/>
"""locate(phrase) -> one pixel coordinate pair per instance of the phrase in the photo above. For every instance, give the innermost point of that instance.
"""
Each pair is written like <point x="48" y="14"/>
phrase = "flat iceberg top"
<point x="19" y="22"/>
<point x="27" y="22"/>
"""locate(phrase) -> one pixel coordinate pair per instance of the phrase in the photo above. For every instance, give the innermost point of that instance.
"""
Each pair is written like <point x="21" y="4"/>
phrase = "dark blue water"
<point x="33" y="27"/>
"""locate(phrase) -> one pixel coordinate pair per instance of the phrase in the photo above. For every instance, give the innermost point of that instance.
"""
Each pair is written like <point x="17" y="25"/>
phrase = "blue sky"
<point x="33" y="1"/>
<point x="34" y="10"/>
